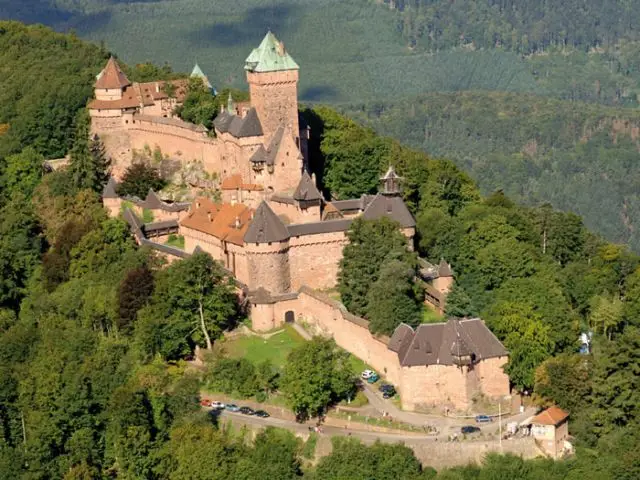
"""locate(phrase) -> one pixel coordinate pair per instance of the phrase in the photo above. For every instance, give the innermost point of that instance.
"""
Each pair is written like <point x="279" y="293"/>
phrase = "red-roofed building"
<point x="550" y="428"/>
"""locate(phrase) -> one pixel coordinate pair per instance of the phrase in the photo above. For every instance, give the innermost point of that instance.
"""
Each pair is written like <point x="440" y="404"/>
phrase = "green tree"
<point x="20" y="248"/>
<point x="193" y="302"/>
<point x="392" y="298"/>
<point x="88" y="165"/>
<point x="565" y="381"/>
<point x="199" y="105"/>
<point x="459" y="303"/>
<point x="274" y="454"/>
<point x="351" y="459"/>
<point x="22" y="173"/>
<point x="316" y="375"/>
<point x="606" y="314"/>
<point x="134" y="292"/>
<point x="139" y="178"/>
<point x="371" y="242"/>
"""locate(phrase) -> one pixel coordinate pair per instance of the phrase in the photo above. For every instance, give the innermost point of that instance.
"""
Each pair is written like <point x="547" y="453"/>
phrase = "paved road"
<point x="445" y="425"/>
<point x="363" y="435"/>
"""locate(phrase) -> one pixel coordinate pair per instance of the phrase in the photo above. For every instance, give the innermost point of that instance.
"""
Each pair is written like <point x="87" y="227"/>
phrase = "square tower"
<point x="273" y="85"/>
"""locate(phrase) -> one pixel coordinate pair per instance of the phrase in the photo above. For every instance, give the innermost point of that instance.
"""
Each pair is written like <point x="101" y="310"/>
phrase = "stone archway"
<point x="289" y="316"/>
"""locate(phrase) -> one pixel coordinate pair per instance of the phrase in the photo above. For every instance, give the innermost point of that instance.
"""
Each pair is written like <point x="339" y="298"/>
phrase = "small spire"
<point x="391" y="182"/>
<point x="231" y="106"/>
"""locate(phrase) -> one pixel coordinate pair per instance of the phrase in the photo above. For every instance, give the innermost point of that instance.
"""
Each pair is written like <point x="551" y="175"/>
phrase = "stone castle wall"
<point x="315" y="259"/>
<point x="295" y="214"/>
<point x="275" y="98"/>
<point x="420" y="386"/>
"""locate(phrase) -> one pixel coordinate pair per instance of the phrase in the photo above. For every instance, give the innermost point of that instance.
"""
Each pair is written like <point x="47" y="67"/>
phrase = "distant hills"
<point x="529" y="72"/>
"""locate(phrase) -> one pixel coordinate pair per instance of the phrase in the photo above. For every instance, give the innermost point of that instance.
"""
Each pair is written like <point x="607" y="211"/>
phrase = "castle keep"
<point x="275" y="232"/>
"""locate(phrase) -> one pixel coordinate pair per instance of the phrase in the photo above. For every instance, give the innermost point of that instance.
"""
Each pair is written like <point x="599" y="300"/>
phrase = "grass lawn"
<point x="431" y="316"/>
<point x="176" y="241"/>
<point x="256" y="349"/>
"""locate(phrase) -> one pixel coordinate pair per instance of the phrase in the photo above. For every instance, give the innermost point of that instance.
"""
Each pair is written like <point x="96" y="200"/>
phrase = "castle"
<point x="275" y="232"/>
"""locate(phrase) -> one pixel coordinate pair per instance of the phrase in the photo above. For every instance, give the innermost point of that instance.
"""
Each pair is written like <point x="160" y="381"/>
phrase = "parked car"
<point x="262" y="414"/>
<point x="386" y="387"/>
<point x="469" y="429"/>
<point x="387" y="394"/>
<point x="232" y="407"/>
<point x="367" y="374"/>
<point x="247" y="410"/>
<point x="204" y="403"/>
<point x="217" y="405"/>
<point x="483" y="419"/>
<point x="373" y="378"/>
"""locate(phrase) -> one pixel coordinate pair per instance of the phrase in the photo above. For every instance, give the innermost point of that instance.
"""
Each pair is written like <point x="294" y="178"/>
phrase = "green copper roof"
<point x="197" y="72"/>
<point x="270" y="56"/>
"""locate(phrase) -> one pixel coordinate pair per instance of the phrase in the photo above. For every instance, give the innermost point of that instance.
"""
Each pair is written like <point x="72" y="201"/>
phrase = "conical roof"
<point x="444" y="269"/>
<point x="110" y="188"/>
<point x="307" y="190"/>
<point x="112" y="77"/>
<point x="198" y="73"/>
<point x="266" y="227"/>
<point x="270" y="56"/>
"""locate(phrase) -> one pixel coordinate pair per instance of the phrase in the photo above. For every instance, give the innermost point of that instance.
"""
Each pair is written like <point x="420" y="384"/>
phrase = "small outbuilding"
<point x="551" y="430"/>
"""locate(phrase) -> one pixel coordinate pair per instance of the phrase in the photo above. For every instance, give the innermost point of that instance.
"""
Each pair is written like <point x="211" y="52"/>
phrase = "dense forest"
<point x="582" y="158"/>
<point x="517" y="25"/>
<point x="94" y="332"/>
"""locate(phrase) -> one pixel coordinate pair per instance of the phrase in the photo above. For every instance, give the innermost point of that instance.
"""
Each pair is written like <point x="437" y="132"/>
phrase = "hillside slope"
<point x="580" y="157"/>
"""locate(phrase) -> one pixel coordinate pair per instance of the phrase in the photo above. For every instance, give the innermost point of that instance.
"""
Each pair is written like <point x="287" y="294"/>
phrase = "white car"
<point x="368" y="374"/>
<point x="217" y="405"/>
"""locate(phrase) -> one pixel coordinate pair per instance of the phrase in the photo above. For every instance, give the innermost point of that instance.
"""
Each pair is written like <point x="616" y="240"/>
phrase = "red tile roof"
<point x="551" y="416"/>
<point x="222" y="220"/>
<point x="138" y="94"/>
<point x="112" y="77"/>
<point x="234" y="182"/>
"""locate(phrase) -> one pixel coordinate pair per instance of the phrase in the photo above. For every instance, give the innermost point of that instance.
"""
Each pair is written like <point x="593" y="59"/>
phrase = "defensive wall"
<point x="419" y="386"/>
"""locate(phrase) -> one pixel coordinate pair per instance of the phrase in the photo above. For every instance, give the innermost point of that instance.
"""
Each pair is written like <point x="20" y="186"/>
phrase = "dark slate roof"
<point x="265" y="227"/>
<point x="176" y="252"/>
<point x="268" y="155"/>
<point x="154" y="202"/>
<point x="354" y="203"/>
<point x="314" y="228"/>
<point x="261" y="296"/>
<point x="282" y="199"/>
<point x="151" y="227"/>
<point x="307" y="190"/>
<point x="249" y="126"/>
<point x="437" y="343"/>
<point x="392" y="207"/>
<point x="444" y="269"/>
<point x="259" y="156"/>
<point x="223" y="120"/>
<point x="110" y="188"/>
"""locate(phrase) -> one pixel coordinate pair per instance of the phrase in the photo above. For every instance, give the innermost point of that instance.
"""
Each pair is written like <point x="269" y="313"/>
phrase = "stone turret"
<point x="273" y="85"/>
<point x="111" y="82"/>
<point x="267" y="247"/>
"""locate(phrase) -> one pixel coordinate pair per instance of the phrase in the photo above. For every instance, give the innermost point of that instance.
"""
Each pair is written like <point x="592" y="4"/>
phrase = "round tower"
<point x="266" y="244"/>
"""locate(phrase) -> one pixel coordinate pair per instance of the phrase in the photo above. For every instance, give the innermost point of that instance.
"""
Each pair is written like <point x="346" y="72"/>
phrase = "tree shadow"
<point x="319" y="93"/>
<point x="254" y="25"/>
<point x="60" y="19"/>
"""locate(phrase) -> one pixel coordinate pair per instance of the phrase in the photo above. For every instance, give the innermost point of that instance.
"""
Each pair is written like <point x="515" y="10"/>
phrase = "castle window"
<point x="126" y="121"/>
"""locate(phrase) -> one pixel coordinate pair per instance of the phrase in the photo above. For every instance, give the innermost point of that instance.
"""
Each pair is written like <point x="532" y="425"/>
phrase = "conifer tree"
<point x="89" y="165"/>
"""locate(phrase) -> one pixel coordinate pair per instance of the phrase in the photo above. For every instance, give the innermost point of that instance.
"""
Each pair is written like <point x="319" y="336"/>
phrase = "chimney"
<point x="157" y="87"/>
<point x="313" y="179"/>
<point x="237" y="223"/>
<point x="209" y="216"/>
<point x="233" y="200"/>
<point x="197" y="204"/>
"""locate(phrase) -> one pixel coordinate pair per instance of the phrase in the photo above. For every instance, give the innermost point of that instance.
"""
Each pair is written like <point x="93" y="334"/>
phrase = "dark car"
<point x="262" y="414"/>
<point x="247" y="410"/>
<point x="386" y="386"/>
<point x="469" y="429"/>
<point x="389" y="393"/>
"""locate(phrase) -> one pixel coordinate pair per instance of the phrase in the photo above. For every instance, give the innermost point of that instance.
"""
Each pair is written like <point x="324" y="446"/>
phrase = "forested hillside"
<point x="94" y="331"/>
<point x="580" y="157"/>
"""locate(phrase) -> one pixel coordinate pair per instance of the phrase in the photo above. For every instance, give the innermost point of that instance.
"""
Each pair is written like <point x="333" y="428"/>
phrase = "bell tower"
<point x="273" y="85"/>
